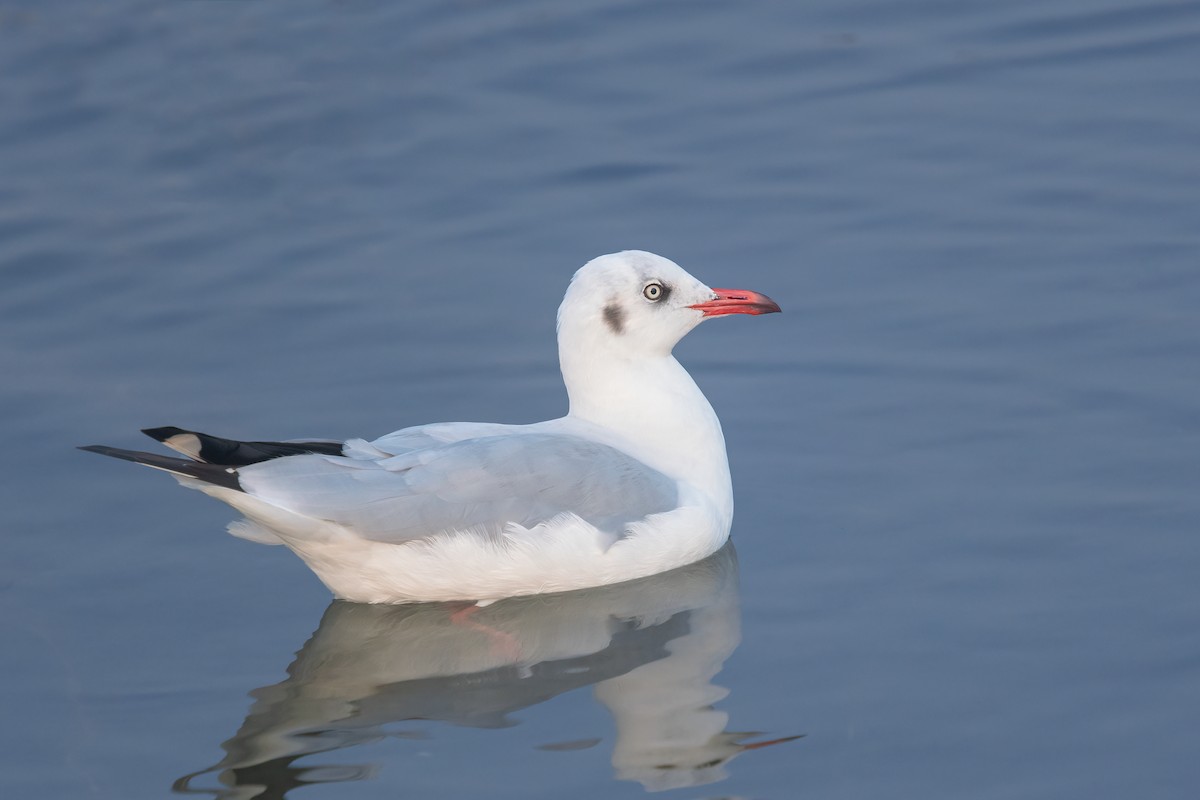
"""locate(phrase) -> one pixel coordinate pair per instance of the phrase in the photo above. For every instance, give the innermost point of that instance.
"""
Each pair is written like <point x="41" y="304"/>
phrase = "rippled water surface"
<point x="966" y="457"/>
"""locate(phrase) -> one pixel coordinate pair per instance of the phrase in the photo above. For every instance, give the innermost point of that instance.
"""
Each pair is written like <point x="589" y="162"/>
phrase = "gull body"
<point x="632" y="481"/>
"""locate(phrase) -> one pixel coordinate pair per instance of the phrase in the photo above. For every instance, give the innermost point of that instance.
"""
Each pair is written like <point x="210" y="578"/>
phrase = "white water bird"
<point x="633" y="481"/>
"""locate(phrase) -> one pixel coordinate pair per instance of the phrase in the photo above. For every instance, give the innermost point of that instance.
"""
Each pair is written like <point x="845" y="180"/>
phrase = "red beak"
<point x="737" y="301"/>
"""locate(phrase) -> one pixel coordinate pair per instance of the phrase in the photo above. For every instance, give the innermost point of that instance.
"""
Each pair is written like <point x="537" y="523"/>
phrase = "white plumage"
<point x="633" y="481"/>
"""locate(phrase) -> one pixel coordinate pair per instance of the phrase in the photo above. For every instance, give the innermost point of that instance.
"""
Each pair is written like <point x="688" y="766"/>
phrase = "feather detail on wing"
<point x="410" y="486"/>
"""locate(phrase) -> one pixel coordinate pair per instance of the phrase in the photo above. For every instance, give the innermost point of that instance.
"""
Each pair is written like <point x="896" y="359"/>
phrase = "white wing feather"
<point x="415" y="484"/>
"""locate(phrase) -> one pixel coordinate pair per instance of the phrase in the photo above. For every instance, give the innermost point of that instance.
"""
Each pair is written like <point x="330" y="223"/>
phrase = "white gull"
<point x="633" y="481"/>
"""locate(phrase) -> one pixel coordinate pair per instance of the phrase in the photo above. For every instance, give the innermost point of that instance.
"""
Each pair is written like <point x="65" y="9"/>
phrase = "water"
<point x="965" y="458"/>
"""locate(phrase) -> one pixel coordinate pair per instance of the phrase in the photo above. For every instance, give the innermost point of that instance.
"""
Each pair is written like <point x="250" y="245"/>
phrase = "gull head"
<point x="636" y="302"/>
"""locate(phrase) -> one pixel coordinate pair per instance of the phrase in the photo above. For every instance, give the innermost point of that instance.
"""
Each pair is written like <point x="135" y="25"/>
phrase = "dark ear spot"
<point x="614" y="318"/>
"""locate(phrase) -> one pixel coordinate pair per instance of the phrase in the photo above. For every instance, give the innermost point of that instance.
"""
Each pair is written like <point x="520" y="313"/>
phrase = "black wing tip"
<point x="233" y="452"/>
<point x="163" y="433"/>
<point x="209" y="473"/>
<point x="103" y="450"/>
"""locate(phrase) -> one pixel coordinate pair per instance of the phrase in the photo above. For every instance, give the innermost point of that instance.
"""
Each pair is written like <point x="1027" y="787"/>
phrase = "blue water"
<point x="966" y="457"/>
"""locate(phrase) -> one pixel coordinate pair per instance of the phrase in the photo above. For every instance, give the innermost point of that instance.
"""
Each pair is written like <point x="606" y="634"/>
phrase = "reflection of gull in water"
<point x="650" y="647"/>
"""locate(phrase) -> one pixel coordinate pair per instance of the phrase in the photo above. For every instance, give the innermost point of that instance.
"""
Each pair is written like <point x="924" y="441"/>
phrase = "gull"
<point x="633" y="481"/>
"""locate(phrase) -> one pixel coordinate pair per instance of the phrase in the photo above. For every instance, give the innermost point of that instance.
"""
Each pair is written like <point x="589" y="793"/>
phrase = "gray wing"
<point x="421" y="437"/>
<point x="479" y="484"/>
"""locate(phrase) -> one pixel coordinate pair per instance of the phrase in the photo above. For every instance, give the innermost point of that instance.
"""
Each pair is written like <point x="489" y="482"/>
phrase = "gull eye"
<point x="653" y="292"/>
